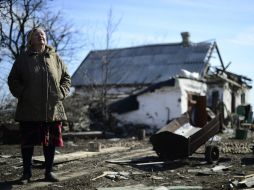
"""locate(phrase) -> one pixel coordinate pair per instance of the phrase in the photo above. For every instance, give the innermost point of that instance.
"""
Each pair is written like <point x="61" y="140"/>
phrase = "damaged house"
<point x="155" y="83"/>
<point x="161" y="102"/>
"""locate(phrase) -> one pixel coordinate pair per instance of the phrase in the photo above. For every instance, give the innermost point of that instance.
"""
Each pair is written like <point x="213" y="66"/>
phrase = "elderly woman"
<point x="40" y="81"/>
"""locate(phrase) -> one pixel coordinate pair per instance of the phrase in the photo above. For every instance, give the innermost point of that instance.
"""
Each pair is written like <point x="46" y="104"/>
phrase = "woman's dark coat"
<point x="40" y="82"/>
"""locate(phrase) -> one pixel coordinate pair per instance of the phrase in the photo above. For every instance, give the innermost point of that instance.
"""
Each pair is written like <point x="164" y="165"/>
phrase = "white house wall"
<point x="238" y="96"/>
<point x="225" y="95"/>
<point x="158" y="107"/>
<point x="155" y="108"/>
<point x="247" y="96"/>
<point x="227" y="99"/>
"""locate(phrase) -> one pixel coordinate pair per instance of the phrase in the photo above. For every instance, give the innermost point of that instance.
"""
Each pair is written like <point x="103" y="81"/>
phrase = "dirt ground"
<point x="235" y="157"/>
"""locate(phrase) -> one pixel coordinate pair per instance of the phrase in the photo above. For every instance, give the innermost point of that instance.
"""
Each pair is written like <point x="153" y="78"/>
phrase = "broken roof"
<point x="143" y="64"/>
<point x="239" y="79"/>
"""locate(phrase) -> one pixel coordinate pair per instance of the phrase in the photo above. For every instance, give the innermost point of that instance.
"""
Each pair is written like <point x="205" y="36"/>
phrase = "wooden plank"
<point x="248" y="176"/>
<point x="249" y="182"/>
<point x="143" y="187"/>
<point x="131" y="158"/>
<point x="83" y="134"/>
<point x="150" y="163"/>
<point x="60" y="158"/>
<point x="119" y="161"/>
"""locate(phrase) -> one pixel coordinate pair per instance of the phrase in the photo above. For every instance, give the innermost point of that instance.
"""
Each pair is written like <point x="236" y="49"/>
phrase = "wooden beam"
<point x="83" y="134"/>
<point x="230" y="81"/>
<point x="60" y="158"/>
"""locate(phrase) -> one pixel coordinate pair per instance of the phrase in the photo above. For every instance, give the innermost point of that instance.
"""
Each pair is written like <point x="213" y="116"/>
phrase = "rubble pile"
<point x="77" y="111"/>
<point x="7" y="112"/>
<point x="7" y="116"/>
<point x="236" y="147"/>
<point x="8" y="126"/>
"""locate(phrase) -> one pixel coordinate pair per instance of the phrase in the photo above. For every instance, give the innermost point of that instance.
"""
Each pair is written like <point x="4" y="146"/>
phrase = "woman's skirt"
<point x="41" y="133"/>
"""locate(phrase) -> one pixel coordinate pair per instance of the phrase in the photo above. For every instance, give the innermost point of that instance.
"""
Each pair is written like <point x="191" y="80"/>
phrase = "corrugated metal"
<point x="139" y="65"/>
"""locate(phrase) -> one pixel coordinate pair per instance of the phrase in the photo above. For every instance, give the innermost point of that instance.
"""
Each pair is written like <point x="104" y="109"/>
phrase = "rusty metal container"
<point x="176" y="141"/>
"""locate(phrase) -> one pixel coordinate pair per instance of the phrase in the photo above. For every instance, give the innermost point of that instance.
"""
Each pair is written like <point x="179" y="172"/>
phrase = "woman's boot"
<point x="27" y="153"/>
<point x="49" y="153"/>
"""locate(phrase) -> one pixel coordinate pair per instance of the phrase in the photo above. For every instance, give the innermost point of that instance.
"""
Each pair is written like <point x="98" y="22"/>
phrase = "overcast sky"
<point x="230" y="23"/>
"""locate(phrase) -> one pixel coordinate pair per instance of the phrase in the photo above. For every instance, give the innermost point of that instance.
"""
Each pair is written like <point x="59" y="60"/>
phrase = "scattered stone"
<point x="220" y="168"/>
<point x="94" y="146"/>
<point x="113" y="175"/>
<point x="156" y="177"/>
<point x="235" y="147"/>
<point x="5" y="156"/>
<point x="70" y="143"/>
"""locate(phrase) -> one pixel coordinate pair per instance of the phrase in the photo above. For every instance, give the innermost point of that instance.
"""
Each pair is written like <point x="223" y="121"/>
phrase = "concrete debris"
<point x="6" y="173"/>
<point x="17" y="167"/>
<point x="5" y="156"/>
<point x="181" y="176"/>
<point x="70" y="143"/>
<point x="241" y="182"/>
<point x="228" y="132"/>
<point x="203" y="171"/>
<point x="114" y="139"/>
<point x="209" y="171"/>
<point x="215" y="138"/>
<point x="220" y="168"/>
<point x="94" y="146"/>
<point x="248" y="181"/>
<point x="235" y="147"/>
<point x="113" y="175"/>
<point x="156" y="177"/>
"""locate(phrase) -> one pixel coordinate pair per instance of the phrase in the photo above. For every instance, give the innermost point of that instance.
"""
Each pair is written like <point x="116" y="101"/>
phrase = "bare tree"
<point x="111" y="27"/>
<point x="61" y="35"/>
<point x="17" y="17"/>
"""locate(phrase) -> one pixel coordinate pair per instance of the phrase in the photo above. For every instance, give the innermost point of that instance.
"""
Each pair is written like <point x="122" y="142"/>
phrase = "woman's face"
<point x="38" y="38"/>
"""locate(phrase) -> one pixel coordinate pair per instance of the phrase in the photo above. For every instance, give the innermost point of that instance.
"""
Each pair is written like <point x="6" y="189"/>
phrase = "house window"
<point x="243" y="98"/>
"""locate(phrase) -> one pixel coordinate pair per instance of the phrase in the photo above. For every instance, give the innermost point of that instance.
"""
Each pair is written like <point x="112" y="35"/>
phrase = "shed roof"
<point x="146" y="64"/>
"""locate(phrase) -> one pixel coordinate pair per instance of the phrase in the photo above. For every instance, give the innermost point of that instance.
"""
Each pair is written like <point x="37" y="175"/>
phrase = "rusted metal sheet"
<point x="170" y="144"/>
<point x="202" y="136"/>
